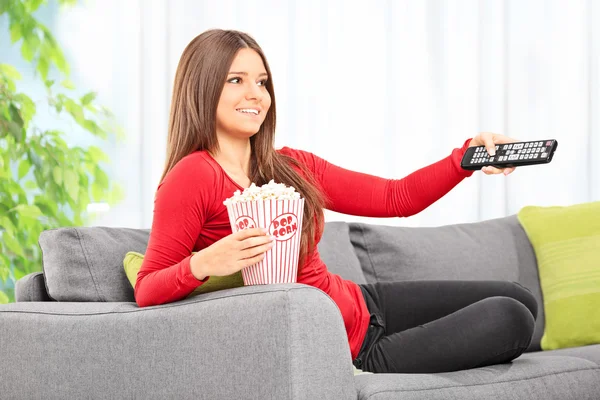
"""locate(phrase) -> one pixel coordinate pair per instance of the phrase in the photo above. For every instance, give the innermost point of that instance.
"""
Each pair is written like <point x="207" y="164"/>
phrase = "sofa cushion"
<point x="337" y="252"/>
<point x="496" y="249"/>
<point x="542" y="378"/>
<point x="566" y="241"/>
<point x="86" y="263"/>
<point x="591" y="353"/>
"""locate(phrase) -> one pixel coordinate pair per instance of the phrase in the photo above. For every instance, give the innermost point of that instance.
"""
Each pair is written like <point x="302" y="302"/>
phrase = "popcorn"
<point x="279" y="210"/>
<point x="268" y="191"/>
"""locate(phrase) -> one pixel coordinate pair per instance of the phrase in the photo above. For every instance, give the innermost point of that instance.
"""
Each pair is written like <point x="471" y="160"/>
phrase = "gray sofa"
<point x="75" y="331"/>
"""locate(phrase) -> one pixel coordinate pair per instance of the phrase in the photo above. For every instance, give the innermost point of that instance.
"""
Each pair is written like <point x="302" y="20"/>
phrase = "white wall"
<point x="382" y="87"/>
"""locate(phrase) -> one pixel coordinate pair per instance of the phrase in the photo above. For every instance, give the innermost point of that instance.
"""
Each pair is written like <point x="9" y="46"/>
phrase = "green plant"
<point x="44" y="183"/>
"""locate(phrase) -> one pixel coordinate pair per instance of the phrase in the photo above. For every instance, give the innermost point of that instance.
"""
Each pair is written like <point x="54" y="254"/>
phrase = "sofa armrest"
<point x="31" y="287"/>
<point x="262" y="342"/>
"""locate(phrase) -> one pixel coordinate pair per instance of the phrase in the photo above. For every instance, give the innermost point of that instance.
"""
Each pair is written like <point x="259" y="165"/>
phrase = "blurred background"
<point x="381" y="87"/>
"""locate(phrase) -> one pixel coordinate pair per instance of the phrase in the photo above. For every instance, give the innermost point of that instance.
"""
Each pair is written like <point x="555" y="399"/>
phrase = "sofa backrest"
<point x="496" y="249"/>
<point x="86" y="263"/>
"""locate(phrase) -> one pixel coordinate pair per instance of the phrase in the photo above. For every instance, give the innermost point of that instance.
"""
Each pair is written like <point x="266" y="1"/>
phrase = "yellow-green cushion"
<point x="133" y="262"/>
<point x="566" y="241"/>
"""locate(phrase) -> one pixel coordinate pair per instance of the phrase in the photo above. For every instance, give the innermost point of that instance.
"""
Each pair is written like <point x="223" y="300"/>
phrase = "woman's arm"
<point x="180" y="209"/>
<point x="356" y="193"/>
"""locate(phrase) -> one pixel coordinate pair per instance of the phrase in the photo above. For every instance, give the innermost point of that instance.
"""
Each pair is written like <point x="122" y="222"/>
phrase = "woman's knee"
<point x="512" y="317"/>
<point x="524" y="295"/>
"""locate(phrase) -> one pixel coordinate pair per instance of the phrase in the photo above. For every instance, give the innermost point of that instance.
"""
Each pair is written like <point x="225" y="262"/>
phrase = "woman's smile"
<point x="250" y="112"/>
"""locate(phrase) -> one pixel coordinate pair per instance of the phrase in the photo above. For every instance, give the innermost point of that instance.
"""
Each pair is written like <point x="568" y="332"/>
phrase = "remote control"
<point x="510" y="155"/>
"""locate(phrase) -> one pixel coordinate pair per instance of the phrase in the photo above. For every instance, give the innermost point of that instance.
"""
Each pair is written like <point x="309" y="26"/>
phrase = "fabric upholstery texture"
<point x="591" y="353"/>
<point x="31" y="287"/>
<point x="556" y="378"/>
<point x="86" y="263"/>
<point x="496" y="249"/>
<point x="566" y="241"/>
<point x="200" y="348"/>
<point x="273" y="341"/>
<point x="337" y="252"/>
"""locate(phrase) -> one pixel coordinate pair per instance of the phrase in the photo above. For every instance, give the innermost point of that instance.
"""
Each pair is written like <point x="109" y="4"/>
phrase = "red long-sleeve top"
<point x="189" y="215"/>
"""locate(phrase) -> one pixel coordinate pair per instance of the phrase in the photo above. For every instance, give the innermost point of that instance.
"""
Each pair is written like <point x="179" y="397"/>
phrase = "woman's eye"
<point x="235" y="80"/>
<point x="263" y="82"/>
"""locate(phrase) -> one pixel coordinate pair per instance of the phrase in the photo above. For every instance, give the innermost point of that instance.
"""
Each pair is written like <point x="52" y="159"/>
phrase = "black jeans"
<point x="443" y="326"/>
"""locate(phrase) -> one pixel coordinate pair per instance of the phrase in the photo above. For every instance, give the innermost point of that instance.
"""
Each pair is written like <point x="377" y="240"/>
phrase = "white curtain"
<point x="381" y="87"/>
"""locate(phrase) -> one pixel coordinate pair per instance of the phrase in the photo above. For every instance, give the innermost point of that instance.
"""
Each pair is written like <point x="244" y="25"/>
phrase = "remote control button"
<point x="544" y="154"/>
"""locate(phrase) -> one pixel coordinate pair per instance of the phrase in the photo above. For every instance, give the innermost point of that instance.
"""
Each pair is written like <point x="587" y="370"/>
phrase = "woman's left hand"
<point x="490" y="140"/>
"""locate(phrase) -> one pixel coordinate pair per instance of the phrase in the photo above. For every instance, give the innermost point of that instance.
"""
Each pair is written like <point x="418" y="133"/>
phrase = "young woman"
<point x="221" y="138"/>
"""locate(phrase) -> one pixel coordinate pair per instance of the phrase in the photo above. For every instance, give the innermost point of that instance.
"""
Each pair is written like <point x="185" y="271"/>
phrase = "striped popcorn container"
<point x="282" y="219"/>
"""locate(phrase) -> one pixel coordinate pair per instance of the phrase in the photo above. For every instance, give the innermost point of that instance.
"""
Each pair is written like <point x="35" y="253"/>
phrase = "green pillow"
<point x="133" y="262"/>
<point x="566" y="241"/>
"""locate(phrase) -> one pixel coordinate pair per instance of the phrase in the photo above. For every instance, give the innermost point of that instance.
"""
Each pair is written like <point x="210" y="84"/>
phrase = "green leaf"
<point x="97" y="192"/>
<point x="27" y="107"/>
<point x="57" y="175"/>
<point x="3" y="298"/>
<point x="19" y="273"/>
<point x="88" y="98"/>
<point x="13" y="244"/>
<point x="92" y="127"/>
<point x="28" y="211"/>
<point x="48" y="208"/>
<point x="61" y="63"/>
<point x="34" y="158"/>
<point x="31" y="185"/>
<point x="4" y="268"/>
<point x="15" y="130"/>
<point x="7" y="224"/>
<point x="71" y="180"/>
<point x="101" y="178"/>
<point x="15" y="32"/>
<point x="24" y="167"/>
<point x="75" y="110"/>
<point x="33" y="5"/>
<point x="97" y="155"/>
<point x="27" y="50"/>
<point x="11" y="86"/>
<point x="15" y="115"/>
<point x="67" y="83"/>
<point x="43" y="67"/>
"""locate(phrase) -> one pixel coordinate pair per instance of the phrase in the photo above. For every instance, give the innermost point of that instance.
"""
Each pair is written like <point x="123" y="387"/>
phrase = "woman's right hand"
<point x="232" y="253"/>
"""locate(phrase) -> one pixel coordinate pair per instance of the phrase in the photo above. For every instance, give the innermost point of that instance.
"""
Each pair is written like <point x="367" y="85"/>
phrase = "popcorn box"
<point x="282" y="219"/>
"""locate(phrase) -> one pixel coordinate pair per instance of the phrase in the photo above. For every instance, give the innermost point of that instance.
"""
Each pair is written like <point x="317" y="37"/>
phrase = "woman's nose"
<point x="254" y="92"/>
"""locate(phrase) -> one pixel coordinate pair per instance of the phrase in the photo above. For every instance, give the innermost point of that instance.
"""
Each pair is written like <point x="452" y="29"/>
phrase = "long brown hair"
<point x="199" y="81"/>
